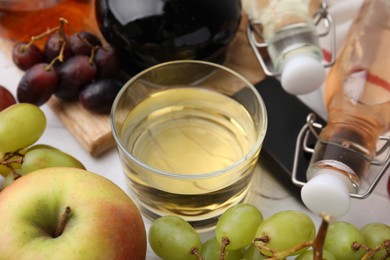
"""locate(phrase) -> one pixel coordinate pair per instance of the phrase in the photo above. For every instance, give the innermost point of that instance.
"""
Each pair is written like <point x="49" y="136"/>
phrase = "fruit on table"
<point x="66" y="66"/>
<point x="42" y="156"/>
<point x="55" y="42"/>
<point x="37" y="84"/>
<point x="388" y="186"/>
<point x="211" y="250"/>
<point x="21" y="125"/>
<point x="69" y="213"/>
<point x="308" y="255"/>
<point x="99" y="95"/>
<point x="171" y="237"/>
<point x="107" y="62"/>
<point x="25" y="55"/>
<point x="253" y="253"/>
<point x="339" y="238"/>
<point x="374" y="234"/>
<point x="83" y="42"/>
<point x="284" y="230"/>
<point x="74" y="74"/>
<point x="235" y="226"/>
<point x="283" y="234"/>
<point x="6" y="98"/>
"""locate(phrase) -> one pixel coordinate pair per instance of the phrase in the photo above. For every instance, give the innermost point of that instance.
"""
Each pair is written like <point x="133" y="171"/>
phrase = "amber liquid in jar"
<point x="20" y="25"/>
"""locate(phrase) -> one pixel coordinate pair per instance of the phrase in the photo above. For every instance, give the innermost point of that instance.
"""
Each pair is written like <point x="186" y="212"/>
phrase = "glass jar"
<point x="22" y="19"/>
<point x="148" y="32"/>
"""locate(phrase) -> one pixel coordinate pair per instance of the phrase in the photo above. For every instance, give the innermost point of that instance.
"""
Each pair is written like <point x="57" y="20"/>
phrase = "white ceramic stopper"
<point x="302" y="74"/>
<point x="327" y="192"/>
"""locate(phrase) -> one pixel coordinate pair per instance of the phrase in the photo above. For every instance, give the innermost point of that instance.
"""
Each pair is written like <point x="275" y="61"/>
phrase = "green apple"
<point x="69" y="213"/>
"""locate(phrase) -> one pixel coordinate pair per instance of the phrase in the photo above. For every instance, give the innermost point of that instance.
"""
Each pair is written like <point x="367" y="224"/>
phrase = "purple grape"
<point x="79" y="46"/>
<point x="99" y="95"/>
<point x="53" y="47"/>
<point x="74" y="74"/>
<point x="37" y="84"/>
<point x="107" y="62"/>
<point x="25" y="56"/>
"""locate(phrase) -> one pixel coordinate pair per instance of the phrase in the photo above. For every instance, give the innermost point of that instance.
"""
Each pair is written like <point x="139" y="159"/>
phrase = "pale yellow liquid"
<point x="193" y="133"/>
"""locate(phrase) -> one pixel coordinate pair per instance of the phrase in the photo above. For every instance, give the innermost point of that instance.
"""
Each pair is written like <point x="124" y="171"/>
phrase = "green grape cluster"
<point x="21" y="126"/>
<point x="241" y="233"/>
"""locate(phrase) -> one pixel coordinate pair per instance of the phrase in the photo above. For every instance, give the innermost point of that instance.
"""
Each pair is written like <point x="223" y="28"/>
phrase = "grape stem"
<point x="195" y="251"/>
<point x="318" y="244"/>
<point x="283" y="254"/>
<point x="93" y="51"/>
<point x="94" y="48"/>
<point x="62" y="222"/>
<point x="225" y="241"/>
<point x="372" y="251"/>
<point x="63" y="40"/>
<point x="10" y="159"/>
<point x="38" y="37"/>
<point x="8" y="163"/>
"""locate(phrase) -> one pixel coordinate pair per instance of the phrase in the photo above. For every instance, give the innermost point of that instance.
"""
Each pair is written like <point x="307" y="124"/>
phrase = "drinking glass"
<point x="188" y="135"/>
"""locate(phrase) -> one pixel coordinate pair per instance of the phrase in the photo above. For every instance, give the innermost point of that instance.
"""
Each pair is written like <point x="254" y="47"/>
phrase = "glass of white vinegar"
<point x="188" y="135"/>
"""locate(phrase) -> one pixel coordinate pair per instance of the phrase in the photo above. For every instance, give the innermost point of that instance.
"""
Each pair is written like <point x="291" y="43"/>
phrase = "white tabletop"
<point x="268" y="195"/>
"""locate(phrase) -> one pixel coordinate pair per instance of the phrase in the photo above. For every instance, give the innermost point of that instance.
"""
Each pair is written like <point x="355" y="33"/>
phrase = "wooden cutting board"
<point x="93" y="131"/>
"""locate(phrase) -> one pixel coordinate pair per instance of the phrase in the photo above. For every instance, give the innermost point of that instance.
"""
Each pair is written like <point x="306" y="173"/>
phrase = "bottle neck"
<point x="280" y="15"/>
<point x="352" y="132"/>
<point x="344" y="147"/>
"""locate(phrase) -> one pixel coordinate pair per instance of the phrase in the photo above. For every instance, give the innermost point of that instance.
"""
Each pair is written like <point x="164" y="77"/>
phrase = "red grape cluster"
<point x="70" y="67"/>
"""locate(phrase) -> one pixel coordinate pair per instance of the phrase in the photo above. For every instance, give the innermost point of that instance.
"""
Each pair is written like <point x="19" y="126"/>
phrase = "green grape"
<point x="4" y="171"/>
<point x="253" y="253"/>
<point x="44" y="156"/>
<point x="8" y="179"/>
<point x="211" y="250"/>
<point x="374" y="234"/>
<point x="21" y="125"/>
<point x="171" y="237"/>
<point x="308" y="255"/>
<point x="238" y="224"/>
<point x="340" y="238"/>
<point x="286" y="229"/>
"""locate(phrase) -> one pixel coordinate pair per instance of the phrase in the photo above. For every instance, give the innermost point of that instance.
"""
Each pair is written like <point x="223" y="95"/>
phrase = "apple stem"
<point x="62" y="222"/>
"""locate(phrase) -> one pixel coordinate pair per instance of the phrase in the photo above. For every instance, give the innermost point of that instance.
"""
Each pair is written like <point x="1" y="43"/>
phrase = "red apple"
<point x="388" y="185"/>
<point x="69" y="213"/>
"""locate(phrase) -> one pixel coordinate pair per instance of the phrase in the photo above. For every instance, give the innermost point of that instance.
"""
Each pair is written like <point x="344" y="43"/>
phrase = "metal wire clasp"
<point x="311" y="127"/>
<point x="322" y="15"/>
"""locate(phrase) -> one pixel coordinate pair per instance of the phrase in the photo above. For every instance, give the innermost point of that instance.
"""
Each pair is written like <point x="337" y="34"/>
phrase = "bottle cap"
<point x="302" y="74"/>
<point x="327" y="192"/>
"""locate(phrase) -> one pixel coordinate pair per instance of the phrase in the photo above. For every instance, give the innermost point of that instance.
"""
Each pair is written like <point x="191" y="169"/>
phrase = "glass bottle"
<point x="357" y="97"/>
<point x="290" y="34"/>
<point x="148" y="32"/>
<point x="21" y="19"/>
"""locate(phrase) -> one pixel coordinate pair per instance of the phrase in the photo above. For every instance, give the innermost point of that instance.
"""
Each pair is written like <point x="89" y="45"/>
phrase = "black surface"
<point x="286" y="117"/>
